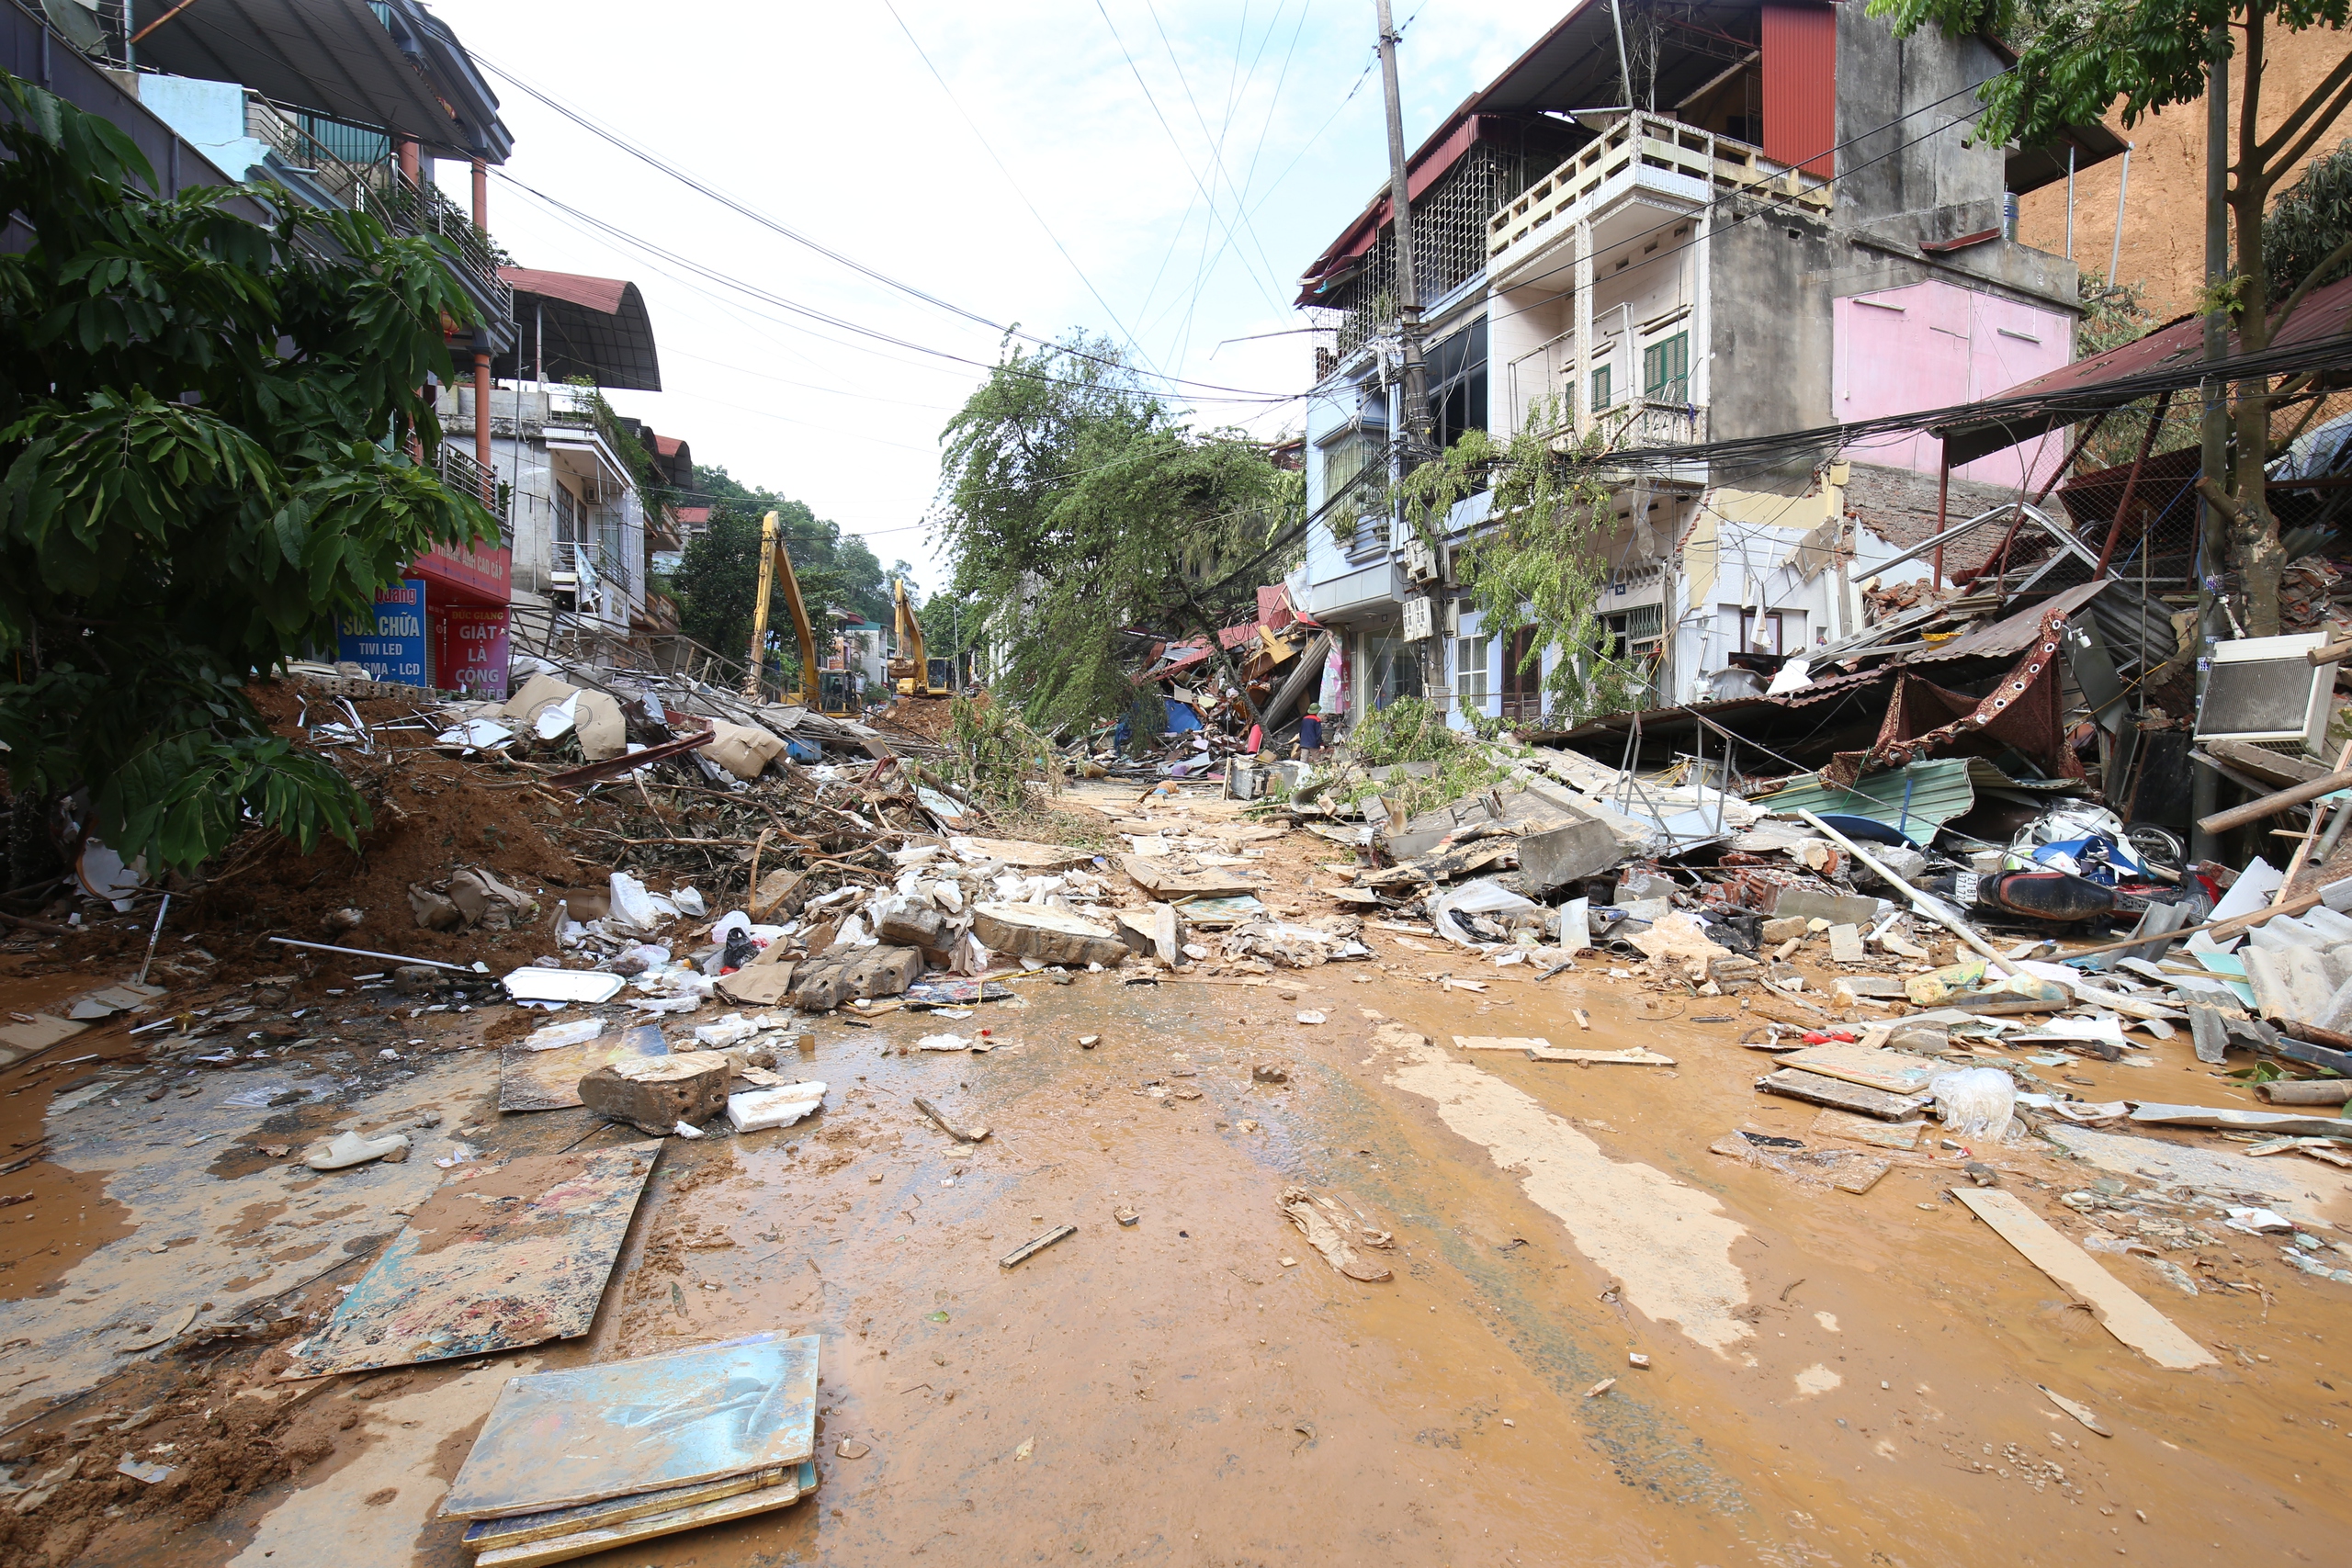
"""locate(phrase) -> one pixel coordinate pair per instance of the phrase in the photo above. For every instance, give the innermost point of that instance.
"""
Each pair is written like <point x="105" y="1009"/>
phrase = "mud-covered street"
<point x="1598" y="1339"/>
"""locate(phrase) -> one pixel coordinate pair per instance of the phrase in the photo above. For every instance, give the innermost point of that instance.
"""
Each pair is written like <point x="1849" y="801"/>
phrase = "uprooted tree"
<point x="2079" y="59"/>
<point x="210" y="429"/>
<point x="1078" y="506"/>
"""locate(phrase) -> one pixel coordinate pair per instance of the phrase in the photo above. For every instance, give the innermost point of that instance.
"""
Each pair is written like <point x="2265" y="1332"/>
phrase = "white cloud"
<point x="826" y="118"/>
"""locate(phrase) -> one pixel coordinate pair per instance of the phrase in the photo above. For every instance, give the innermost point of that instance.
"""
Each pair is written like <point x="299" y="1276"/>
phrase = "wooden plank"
<point x="1815" y="1089"/>
<point x="1863" y="1176"/>
<point x="1896" y="1072"/>
<point x="1633" y="1057"/>
<point x="585" y="1434"/>
<point x="18" y="1041"/>
<point x="500" y="1256"/>
<point x="1029" y="1250"/>
<point x="649" y="1527"/>
<point x="1161" y="880"/>
<point x="484" y="1535"/>
<point x="2119" y="1310"/>
<point x="1521" y="1042"/>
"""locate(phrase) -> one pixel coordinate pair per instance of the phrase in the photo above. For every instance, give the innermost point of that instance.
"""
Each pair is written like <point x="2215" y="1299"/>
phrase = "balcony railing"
<point x="381" y="189"/>
<point x="1639" y="149"/>
<point x="1646" y="424"/>
<point x="460" y="470"/>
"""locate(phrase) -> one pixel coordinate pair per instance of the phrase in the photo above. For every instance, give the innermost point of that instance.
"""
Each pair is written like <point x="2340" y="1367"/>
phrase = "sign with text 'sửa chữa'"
<point x="389" y="643"/>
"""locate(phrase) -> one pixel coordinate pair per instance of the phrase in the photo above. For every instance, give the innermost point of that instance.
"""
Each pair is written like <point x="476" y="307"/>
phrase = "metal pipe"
<point x="2131" y="483"/>
<point x="476" y="969"/>
<point x="2122" y="184"/>
<point x="1943" y="502"/>
<point x="2070" y="201"/>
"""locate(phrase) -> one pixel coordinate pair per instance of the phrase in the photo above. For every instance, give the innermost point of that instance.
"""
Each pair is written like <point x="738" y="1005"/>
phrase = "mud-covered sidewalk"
<point x="1611" y="1329"/>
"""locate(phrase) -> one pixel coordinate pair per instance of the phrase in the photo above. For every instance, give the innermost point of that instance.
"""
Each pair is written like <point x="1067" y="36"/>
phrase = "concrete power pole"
<point x="2213" y="446"/>
<point x="1413" y="446"/>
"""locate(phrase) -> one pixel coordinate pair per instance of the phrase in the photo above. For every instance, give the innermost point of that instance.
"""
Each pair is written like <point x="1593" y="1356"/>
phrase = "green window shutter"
<point x="1599" y="387"/>
<point x="1666" y="370"/>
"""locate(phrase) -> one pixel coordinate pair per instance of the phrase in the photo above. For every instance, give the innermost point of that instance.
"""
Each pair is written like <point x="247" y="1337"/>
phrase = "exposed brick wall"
<point x="1898" y="506"/>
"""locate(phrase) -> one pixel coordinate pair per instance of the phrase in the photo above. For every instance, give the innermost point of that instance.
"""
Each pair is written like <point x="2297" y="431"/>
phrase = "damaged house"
<point x="1790" y="229"/>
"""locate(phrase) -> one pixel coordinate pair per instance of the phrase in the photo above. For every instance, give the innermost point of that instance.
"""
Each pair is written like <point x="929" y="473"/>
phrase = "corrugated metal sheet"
<point x="1801" y="86"/>
<point x="2013" y="633"/>
<point x="1915" y="800"/>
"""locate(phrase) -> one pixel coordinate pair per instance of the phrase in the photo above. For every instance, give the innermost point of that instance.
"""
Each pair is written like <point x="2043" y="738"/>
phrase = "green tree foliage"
<point x="2081" y="60"/>
<point x="205" y="431"/>
<point x="1076" y="505"/>
<point x="1539" y="560"/>
<point x="2310" y="223"/>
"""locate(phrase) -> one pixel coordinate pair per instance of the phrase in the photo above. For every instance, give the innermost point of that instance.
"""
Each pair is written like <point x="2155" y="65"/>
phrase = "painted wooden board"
<point x="1868" y="1130"/>
<point x="1815" y="1089"/>
<point x="584" y="1434"/>
<point x="517" y="1529"/>
<point x="500" y="1256"/>
<point x="1521" y="1042"/>
<point x="1632" y="1057"/>
<point x="2119" y="1310"/>
<point x="18" y="1041"/>
<point x="1896" y="1072"/>
<point x="549" y="1081"/>
<point x="649" y="1527"/>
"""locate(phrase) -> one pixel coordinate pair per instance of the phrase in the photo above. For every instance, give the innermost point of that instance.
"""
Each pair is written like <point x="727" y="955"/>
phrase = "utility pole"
<point x="2213" y="446"/>
<point x="1412" y="446"/>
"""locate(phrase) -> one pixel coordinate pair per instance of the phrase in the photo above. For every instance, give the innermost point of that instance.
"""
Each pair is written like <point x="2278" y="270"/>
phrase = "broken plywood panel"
<point x="739" y="1504"/>
<point x="549" y="1081"/>
<point x="1521" y="1042"/>
<point x="584" y="1434"/>
<point x="18" y="1041"/>
<point x="1896" y="1072"/>
<point x="1633" y="1057"/>
<point x="521" y="1529"/>
<point x="500" y="1256"/>
<point x="2119" y="1310"/>
<point x="1865" y="1130"/>
<point x="1021" y="853"/>
<point x="1815" y="1089"/>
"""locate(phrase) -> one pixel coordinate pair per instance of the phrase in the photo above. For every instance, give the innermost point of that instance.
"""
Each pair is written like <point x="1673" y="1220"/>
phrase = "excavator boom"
<point x="912" y="673"/>
<point x="775" y="563"/>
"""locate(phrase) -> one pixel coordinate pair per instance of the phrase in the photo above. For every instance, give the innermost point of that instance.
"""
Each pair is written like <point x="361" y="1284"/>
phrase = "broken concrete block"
<point x="1553" y="860"/>
<point x="1049" y="936"/>
<point x="1786" y="927"/>
<point x="1846" y="945"/>
<point x="912" y="923"/>
<point x="1818" y="904"/>
<point x="1134" y="929"/>
<point x="654" y="1094"/>
<point x="1848" y="989"/>
<point x="1733" y="971"/>
<point x="779" y="897"/>
<point x="839" y="974"/>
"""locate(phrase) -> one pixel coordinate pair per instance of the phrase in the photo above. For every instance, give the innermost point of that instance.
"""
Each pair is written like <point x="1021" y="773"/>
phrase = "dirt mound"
<point x="927" y="719"/>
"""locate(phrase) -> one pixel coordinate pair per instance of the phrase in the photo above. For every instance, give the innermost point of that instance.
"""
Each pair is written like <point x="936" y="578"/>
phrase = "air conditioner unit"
<point x="1421" y="562"/>
<point x="2263" y="690"/>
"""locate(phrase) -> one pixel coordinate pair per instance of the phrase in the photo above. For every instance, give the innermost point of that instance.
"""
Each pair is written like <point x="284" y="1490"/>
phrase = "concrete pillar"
<point x="481" y="421"/>
<point x="412" y="162"/>
<point x="482" y="196"/>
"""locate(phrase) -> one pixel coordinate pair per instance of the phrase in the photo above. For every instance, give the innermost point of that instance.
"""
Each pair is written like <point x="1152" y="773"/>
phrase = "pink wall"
<point x="1933" y="344"/>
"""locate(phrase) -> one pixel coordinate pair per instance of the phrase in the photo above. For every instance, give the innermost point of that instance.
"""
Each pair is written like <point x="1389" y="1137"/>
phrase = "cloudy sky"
<point x="1156" y="171"/>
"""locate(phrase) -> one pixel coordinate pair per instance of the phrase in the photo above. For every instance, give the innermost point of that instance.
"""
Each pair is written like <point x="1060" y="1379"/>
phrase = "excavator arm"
<point x="775" y="562"/>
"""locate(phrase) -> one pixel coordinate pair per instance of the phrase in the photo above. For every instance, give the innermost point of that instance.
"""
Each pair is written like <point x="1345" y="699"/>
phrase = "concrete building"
<point x="1791" y="229"/>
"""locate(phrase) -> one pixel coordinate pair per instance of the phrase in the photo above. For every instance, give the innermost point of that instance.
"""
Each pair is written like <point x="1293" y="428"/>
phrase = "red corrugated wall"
<point x="1801" y="86"/>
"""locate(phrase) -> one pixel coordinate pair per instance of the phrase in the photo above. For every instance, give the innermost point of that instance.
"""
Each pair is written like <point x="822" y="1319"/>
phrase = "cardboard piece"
<point x="742" y="749"/>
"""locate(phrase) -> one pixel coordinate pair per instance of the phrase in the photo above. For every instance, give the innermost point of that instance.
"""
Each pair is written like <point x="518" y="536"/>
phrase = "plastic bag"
<point x="1975" y="1103"/>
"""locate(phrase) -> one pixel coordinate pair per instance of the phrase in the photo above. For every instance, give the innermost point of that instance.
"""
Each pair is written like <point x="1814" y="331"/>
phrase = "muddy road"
<point x="1831" y="1377"/>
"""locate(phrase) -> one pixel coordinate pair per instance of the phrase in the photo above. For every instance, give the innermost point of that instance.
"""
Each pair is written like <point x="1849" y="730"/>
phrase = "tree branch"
<point x="2220" y="498"/>
<point x="2272" y="168"/>
<point x="2335" y="79"/>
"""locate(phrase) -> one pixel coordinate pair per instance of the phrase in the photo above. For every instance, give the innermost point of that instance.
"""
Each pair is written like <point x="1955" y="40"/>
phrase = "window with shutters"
<point x="1666" y="370"/>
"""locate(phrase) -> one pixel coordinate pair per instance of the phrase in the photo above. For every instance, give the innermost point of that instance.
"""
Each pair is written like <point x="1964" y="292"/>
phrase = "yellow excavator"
<point x="911" y="673"/>
<point x="834" y="693"/>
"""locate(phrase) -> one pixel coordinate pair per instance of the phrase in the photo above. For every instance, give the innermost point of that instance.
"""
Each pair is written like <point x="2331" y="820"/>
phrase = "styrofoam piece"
<point x="752" y="1110"/>
<point x="632" y="904"/>
<point x="532" y="984"/>
<point x="555" y="1036"/>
